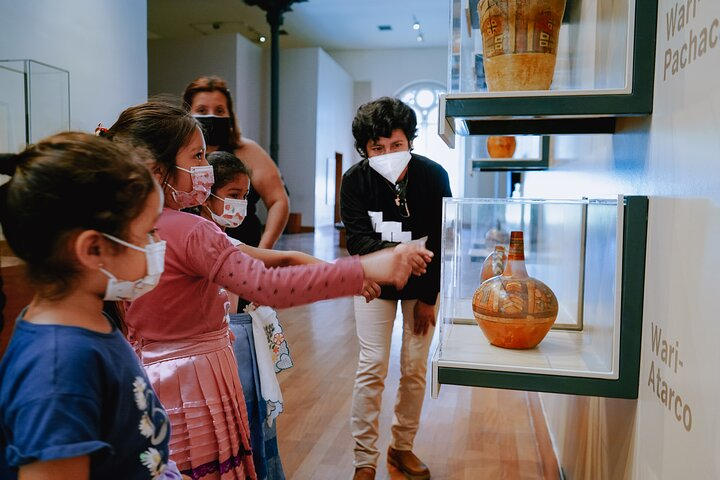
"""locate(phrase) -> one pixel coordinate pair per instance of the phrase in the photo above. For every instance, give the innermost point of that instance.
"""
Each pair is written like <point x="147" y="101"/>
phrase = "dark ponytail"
<point x="62" y="185"/>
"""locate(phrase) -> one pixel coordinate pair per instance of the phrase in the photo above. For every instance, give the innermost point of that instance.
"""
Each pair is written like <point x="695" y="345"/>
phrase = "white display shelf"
<point x="561" y="352"/>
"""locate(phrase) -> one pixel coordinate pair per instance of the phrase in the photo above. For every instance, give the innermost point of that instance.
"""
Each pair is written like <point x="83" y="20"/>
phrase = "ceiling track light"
<point x="416" y="24"/>
<point x="416" y="28"/>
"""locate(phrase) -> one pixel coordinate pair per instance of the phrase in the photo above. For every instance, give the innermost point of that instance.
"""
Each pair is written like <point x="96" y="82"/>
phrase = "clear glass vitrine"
<point x="590" y="252"/>
<point x="604" y="69"/>
<point x="34" y="102"/>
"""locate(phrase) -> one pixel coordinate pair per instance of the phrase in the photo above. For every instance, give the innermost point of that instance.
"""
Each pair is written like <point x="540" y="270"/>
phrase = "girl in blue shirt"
<point x="74" y="399"/>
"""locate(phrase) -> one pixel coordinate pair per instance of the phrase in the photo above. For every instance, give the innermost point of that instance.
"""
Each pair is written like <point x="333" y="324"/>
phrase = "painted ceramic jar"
<point x="496" y="236"/>
<point x="515" y="310"/>
<point x="520" y="42"/>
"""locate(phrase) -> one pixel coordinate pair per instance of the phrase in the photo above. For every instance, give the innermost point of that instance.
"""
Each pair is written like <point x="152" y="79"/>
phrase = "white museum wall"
<point x="673" y="429"/>
<point x="103" y="43"/>
<point x="315" y="122"/>
<point x="390" y="70"/>
<point x="173" y="63"/>
<point x="380" y="73"/>
<point x="334" y="133"/>
<point x="298" y="127"/>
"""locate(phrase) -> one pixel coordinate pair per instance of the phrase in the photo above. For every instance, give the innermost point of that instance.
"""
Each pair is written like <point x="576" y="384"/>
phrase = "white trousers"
<point x="374" y="324"/>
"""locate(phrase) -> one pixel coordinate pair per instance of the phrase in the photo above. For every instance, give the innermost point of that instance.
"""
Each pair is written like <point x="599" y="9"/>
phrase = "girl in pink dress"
<point x="179" y="329"/>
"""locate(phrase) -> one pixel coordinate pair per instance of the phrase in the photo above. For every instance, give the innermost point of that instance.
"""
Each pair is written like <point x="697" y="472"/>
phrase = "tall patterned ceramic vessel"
<point x="515" y="310"/>
<point x="520" y="40"/>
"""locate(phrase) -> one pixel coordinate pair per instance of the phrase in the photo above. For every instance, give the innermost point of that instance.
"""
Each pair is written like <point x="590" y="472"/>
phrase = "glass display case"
<point x="604" y="69"/>
<point x="34" y="102"/>
<point x="590" y="252"/>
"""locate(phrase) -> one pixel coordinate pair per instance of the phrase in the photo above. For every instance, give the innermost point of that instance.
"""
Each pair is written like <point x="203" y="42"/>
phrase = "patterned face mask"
<point x="202" y="181"/>
<point x="234" y="212"/>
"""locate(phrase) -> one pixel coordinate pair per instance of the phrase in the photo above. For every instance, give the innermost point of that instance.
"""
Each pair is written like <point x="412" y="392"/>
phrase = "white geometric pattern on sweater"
<point x="389" y="231"/>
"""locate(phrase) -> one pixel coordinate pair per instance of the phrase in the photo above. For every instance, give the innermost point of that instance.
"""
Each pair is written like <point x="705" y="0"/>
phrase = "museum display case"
<point x="34" y="102"/>
<point x="590" y="252"/>
<point x="604" y="70"/>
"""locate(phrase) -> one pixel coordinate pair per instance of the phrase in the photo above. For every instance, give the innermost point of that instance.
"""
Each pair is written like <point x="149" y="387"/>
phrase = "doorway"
<point x="338" y="181"/>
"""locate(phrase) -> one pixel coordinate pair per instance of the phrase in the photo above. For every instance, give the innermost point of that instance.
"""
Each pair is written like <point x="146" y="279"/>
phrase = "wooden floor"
<point x="468" y="433"/>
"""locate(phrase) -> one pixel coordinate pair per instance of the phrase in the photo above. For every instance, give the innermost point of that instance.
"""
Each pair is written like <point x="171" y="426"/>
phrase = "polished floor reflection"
<point x="466" y="434"/>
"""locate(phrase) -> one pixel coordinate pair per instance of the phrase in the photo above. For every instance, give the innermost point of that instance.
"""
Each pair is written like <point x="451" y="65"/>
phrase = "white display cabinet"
<point x="590" y="252"/>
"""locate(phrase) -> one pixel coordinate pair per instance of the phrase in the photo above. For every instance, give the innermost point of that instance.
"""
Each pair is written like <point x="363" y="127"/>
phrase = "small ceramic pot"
<point x="501" y="146"/>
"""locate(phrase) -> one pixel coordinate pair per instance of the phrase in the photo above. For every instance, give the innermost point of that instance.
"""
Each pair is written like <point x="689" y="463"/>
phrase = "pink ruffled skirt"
<point x="197" y="382"/>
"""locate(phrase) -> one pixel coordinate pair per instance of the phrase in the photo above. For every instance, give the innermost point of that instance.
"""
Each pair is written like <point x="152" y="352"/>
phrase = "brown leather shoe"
<point x="364" y="473"/>
<point x="411" y="466"/>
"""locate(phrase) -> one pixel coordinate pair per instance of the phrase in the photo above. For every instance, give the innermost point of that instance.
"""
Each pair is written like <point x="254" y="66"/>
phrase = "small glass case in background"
<point x="34" y="103"/>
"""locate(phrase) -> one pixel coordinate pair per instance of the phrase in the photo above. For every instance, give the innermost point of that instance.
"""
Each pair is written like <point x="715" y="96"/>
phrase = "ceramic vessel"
<point x="494" y="263"/>
<point x="520" y="42"/>
<point x="496" y="236"/>
<point x="515" y="310"/>
<point x="502" y="146"/>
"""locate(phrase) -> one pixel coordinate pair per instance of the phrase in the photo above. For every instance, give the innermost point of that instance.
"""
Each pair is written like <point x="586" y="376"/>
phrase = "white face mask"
<point x="390" y="165"/>
<point x="202" y="181"/>
<point x="234" y="212"/>
<point x="130" y="290"/>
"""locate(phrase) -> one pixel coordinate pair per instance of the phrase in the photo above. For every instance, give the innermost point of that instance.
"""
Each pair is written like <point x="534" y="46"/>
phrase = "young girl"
<point x="179" y="328"/>
<point x="227" y="207"/>
<point x="74" y="400"/>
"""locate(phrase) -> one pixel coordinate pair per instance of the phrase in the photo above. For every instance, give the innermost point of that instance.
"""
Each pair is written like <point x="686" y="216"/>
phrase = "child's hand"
<point x="370" y="291"/>
<point x="416" y="254"/>
<point x="393" y="266"/>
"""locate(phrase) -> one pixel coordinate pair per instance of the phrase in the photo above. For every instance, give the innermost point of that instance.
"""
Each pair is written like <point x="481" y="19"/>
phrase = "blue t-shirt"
<point x="67" y="392"/>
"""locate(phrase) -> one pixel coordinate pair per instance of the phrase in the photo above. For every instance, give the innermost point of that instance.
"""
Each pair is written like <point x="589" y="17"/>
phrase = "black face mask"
<point x="215" y="129"/>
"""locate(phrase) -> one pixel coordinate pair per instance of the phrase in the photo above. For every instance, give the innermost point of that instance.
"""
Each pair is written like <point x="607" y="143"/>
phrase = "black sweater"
<point x="364" y="190"/>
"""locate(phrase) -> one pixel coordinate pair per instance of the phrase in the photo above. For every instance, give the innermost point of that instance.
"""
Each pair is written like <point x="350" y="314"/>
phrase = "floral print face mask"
<point x="202" y="181"/>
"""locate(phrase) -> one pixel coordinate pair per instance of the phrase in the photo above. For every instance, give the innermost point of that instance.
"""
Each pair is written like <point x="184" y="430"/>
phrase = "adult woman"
<point x="209" y="99"/>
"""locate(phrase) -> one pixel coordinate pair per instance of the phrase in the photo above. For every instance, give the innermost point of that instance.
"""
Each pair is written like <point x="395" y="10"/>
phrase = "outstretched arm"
<point x="279" y="258"/>
<point x="283" y="287"/>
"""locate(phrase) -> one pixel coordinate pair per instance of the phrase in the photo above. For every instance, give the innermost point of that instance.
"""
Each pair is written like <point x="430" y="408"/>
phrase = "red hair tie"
<point x="100" y="131"/>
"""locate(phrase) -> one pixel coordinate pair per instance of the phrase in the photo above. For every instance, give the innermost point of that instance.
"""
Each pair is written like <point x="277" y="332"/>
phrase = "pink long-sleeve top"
<point x="200" y="262"/>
